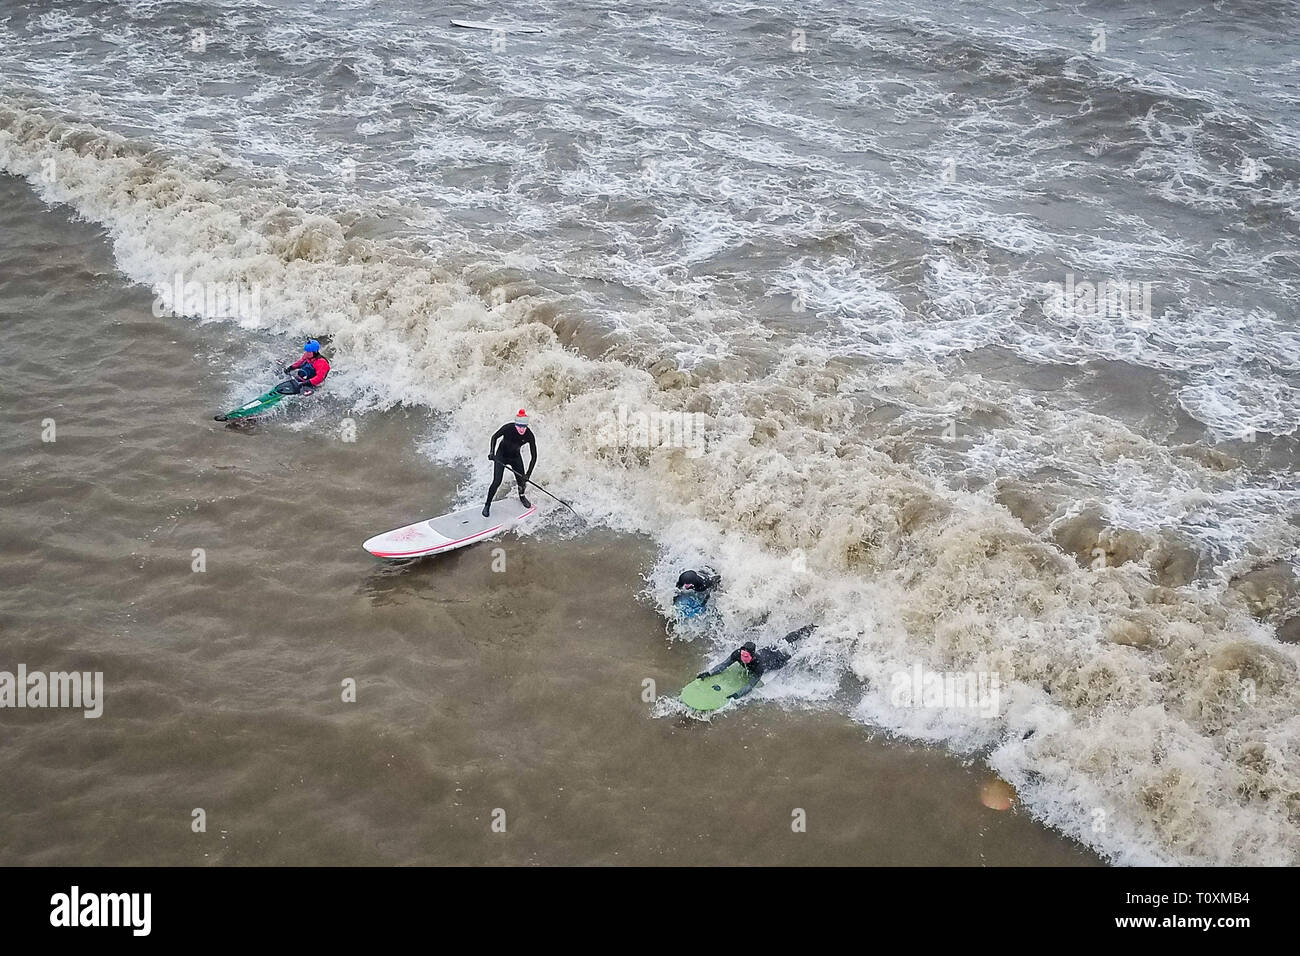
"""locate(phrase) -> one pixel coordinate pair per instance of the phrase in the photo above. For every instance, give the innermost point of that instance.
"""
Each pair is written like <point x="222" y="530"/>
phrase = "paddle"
<point x="529" y="481"/>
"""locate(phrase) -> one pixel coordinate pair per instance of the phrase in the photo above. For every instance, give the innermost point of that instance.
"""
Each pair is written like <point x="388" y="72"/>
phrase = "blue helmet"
<point x="311" y="346"/>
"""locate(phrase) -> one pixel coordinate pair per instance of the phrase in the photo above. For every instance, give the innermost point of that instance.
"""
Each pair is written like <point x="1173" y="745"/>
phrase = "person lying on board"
<point x="310" y="370"/>
<point x="513" y="436"/>
<point x="693" y="589"/>
<point x="758" y="662"/>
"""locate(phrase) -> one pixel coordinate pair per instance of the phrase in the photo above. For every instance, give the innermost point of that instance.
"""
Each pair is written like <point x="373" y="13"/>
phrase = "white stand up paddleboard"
<point x="503" y="27"/>
<point x="448" y="532"/>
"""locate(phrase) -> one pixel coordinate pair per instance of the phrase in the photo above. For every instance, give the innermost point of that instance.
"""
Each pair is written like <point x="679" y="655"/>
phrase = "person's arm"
<point x="290" y="368"/>
<point x="753" y="682"/>
<point x="735" y="656"/>
<point x="492" y="442"/>
<point x="532" y="447"/>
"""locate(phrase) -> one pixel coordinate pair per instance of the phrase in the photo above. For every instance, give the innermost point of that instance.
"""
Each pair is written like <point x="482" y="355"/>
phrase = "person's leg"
<point x="498" y="470"/>
<point x="800" y="634"/>
<point x="517" y="463"/>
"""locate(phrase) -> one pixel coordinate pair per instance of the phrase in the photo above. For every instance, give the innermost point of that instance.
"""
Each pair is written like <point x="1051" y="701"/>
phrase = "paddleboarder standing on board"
<point x="513" y="436"/>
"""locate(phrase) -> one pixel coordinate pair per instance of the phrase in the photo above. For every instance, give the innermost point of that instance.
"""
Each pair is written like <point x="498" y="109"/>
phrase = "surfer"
<point x="513" y="436"/>
<point x="309" y="371"/>
<point x="698" y="582"/>
<point x="758" y="661"/>
<point x="693" y="590"/>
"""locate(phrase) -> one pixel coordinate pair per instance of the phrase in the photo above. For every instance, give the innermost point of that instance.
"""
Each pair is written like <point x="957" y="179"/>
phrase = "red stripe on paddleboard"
<point x="450" y="544"/>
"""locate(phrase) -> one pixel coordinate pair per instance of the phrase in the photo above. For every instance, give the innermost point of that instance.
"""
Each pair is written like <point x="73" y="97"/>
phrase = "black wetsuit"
<point x="508" y="453"/>
<point x="764" y="659"/>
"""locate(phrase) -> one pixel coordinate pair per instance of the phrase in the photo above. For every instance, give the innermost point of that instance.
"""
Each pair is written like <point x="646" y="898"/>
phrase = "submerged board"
<point x="260" y="405"/>
<point x="503" y="27"/>
<point x="689" y="604"/>
<point x="448" y="532"/>
<point x="710" y="693"/>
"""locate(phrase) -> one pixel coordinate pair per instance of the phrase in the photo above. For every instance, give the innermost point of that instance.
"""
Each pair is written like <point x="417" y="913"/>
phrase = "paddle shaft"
<point x="528" y="481"/>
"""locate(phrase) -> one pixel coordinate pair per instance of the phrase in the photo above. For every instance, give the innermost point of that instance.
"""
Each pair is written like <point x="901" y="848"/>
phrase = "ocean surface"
<point x="965" y="330"/>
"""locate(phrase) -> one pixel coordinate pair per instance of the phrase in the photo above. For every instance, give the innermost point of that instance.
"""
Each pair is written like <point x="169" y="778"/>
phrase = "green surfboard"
<point x="710" y="693"/>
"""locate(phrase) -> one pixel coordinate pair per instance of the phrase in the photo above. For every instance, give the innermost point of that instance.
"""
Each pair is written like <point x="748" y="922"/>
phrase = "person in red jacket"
<point x="310" y="370"/>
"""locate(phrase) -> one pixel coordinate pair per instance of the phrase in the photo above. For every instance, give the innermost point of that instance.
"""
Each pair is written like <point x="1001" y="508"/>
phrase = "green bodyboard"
<point x="710" y="693"/>
<point x="258" y="406"/>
